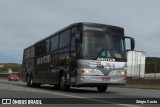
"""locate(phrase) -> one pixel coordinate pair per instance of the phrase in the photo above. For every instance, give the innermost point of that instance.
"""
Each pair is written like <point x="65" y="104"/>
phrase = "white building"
<point x="9" y="71"/>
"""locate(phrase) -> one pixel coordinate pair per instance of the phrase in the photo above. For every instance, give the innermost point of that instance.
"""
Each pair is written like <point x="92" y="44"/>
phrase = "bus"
<point x="80" y="55"/>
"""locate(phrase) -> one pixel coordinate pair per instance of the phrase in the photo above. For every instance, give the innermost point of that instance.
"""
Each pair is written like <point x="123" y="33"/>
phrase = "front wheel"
<point x="102" y="88"/>
<point x="63" y="85"/>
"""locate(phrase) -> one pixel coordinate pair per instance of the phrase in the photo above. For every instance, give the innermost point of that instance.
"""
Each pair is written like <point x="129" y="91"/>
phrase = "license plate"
<point x="105" y="78"/>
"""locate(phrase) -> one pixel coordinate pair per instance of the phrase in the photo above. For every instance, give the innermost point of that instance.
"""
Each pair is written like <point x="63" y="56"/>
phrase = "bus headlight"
<point x="118" y="73"/>
<point x="90" y="72"/>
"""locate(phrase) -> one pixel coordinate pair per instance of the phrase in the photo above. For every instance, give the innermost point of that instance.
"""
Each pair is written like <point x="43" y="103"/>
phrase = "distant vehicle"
<point x="13" y="77"/>
<point x="80" y="55"/>
<point x="136" y="64"/>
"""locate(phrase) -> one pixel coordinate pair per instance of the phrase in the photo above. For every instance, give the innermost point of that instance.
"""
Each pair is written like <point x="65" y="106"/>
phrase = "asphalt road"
<point x="84" y="96"/>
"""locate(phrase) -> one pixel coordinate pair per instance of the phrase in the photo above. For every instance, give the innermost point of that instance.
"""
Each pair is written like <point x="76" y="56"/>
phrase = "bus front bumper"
<point x="99" y="80"/>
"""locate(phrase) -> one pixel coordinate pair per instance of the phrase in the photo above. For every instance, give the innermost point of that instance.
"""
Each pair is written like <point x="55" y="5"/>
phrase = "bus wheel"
<point x="102" y="88"/>
<point x="29" y="81"/>
<point x="63" y="85"/>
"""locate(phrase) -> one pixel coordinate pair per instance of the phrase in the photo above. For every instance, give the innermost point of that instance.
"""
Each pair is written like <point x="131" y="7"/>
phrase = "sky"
<point x="24" y="22"/>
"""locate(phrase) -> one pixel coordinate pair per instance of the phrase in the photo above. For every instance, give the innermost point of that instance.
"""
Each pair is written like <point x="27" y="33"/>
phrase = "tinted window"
<point x="93" y="43"/>
<point x="47" y="45"/>
<point x="74" y="29"/>
<point x="73" y="39"/>
<point x="27" y="52"/>
<point x="43" y="47"/>
<point x="32" y="52"/>
<point x="38" y="49"/>
<point x="97" y="44"/>
<point x="54" y="42"/>
<point x="64" y="39"/>
<point x="24" y="55"/>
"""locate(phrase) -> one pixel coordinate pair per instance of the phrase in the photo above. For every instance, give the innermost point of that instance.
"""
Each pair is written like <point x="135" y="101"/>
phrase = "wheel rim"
<point x="28" y="81"/>
<point x="62" y="81"/>
<point x="31" y="82"/>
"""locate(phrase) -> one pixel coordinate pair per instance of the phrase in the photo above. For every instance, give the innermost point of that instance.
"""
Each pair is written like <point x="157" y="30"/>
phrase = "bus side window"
<point x="47" y="45"/>
<point x="78" y="39"/>
<point x="64" y="39"/>
<point x="73" y="41"/>
<point x="54" y="43"/>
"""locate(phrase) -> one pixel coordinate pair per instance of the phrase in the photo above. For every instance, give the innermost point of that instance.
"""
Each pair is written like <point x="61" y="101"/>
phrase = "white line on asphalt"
<point x="66" y="95"/>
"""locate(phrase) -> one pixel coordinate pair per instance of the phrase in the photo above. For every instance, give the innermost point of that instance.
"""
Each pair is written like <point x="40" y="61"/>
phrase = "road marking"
<point x="66" y="95"/>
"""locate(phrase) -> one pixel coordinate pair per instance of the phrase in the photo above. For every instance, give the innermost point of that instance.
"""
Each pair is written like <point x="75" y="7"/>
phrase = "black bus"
<point x="79" y="55"/>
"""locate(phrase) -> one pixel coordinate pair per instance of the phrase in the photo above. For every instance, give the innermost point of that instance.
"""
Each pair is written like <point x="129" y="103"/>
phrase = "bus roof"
<point x="75" y="24"/>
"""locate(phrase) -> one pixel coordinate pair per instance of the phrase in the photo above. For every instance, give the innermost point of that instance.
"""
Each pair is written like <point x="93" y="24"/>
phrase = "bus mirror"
<point x="130" y="45"/>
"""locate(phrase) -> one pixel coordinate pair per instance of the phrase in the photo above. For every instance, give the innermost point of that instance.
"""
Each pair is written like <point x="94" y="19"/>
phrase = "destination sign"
<point x="94" y="28"/>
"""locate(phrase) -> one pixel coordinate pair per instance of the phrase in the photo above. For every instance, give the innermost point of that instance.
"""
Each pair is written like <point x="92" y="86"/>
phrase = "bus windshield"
<point x="99" y="44"/>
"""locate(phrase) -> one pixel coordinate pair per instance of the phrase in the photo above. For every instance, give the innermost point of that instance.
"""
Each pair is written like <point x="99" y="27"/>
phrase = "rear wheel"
<point x="102" y="88"/>
<point x="63" y="85"/>
<point x="30" y="82"/>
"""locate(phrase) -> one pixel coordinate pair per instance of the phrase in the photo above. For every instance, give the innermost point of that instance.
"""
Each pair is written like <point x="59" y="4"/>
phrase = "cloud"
<point x="23" y="22"/>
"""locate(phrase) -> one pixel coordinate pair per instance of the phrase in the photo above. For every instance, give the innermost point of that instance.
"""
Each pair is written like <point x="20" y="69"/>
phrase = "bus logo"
<point x="44" y="59"/>
<point x="106" y="59"/>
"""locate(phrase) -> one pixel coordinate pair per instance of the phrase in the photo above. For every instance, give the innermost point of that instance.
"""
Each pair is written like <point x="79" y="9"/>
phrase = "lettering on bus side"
<point x="106" y="59"/>
<point x="44" y="59"/>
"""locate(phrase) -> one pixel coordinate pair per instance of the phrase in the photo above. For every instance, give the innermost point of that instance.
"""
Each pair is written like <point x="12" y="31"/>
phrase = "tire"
<point x="62" y="82"/>
<point x="102" y="88"/>
<point x="29" y="81"/>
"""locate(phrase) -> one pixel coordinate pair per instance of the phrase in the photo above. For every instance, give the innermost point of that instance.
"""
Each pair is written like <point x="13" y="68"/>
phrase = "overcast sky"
<point x="24" y="22"/>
